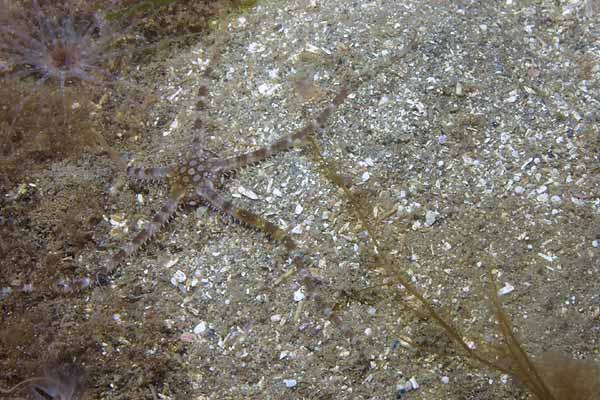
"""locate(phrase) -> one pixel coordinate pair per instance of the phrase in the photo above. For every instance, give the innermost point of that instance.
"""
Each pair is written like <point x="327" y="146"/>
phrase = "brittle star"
<point x="195" y="177"/>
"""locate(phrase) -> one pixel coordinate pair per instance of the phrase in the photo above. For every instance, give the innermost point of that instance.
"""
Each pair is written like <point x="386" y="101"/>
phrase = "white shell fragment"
<point x="298" y="295"/>
<point x="200" y="328"/>
<point x="409" y="386"/>
<point x="247" y="193"/>
<point x="547" y="257"/>
<point x="430" y="217"/>
<point x="178" y="277"/>
<point x="506" y="289"/>
<point x="290" y="383"/>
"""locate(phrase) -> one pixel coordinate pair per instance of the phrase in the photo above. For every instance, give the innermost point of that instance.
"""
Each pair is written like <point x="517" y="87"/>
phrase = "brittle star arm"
<point x="212" y="197"/>
<point x="158" y="221"/>
<point x="285" y="143"/>
<point x="149" y="174"/>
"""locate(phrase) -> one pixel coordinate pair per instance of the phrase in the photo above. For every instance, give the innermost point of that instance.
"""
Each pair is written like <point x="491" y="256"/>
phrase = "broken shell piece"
<point x="247" y="193"/>
<point x="506" y="289"/>
<point x="409" y="386"/>
<point x="200" y="328"/>
<point x="430" y="217"/>
<point x="178" y="277"/>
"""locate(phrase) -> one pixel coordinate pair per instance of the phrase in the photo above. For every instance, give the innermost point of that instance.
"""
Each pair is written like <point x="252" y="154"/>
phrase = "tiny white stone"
<point x="290" y="383"/>
<point x="365" y="176"/>
<point x="368" y="331"/>
<point x="277" y="192"/>
<point x="445" y="380"/>
<point x="298" y="209"/>
<point x="595" y="243"/>
<point x="200" y="328"/>
<point x="297" y="230"/>
<point x="298" y="295"/>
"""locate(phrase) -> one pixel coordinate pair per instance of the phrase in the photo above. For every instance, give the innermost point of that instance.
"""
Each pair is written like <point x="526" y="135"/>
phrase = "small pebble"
<point x="445" y="380"/>
<point x="595" y="243"/>
<point x="298" y="209"/>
